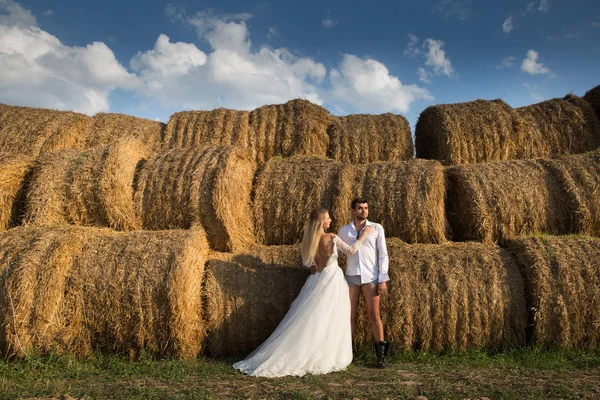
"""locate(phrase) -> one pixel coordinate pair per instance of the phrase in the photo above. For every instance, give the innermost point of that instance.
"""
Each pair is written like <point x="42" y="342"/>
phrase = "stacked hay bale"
<point x="35" y="131"/>
<point x="407" y="198"/>
<point x="79" y="290"/>
<point x="246" y="295"/>
<point x="190" y="188"/>
<point x="563" y="285"/>
<point x="364" y="138"/>
<point x="454" y="296"/>
<point x="14" y="170"/>
<point x="296" y="127"/>
<point x="107" y="128"/>
<point x="480" y="131"/>
<point x="89" y="188"/>
<point x="592" y="96"/>
<point x="502" y="200"/>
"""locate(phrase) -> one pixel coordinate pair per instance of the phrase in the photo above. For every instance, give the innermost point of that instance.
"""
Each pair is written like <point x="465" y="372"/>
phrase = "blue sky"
<point x="152" y="58"/>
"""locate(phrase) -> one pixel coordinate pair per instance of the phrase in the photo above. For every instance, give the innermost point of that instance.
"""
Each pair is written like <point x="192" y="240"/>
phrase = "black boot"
<point x="381" y="349"/>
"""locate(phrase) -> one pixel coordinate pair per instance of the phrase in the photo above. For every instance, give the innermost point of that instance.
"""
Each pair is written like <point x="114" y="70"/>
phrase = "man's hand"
<point x="382" y="288"/>
<point x="313" y="269"/>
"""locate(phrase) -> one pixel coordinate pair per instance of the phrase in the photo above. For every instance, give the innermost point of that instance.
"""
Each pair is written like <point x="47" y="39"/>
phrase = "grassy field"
<point x="520" y="374"/>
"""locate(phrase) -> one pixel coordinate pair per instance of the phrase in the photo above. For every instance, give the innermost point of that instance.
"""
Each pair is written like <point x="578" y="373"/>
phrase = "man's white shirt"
<point x="371" y="259"/>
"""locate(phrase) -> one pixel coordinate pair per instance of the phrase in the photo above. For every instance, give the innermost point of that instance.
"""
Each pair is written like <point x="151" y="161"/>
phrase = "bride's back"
<point x="324" y="250"/>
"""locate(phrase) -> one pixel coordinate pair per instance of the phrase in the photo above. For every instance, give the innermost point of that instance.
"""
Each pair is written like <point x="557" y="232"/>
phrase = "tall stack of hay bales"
<point x="80" y="290"/>
<point x="406" y="197"/>
<point x="480" y="131"/>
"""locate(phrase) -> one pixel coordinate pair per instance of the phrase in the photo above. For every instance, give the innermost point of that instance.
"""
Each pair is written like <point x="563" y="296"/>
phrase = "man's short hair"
<point x="358" y="200"/>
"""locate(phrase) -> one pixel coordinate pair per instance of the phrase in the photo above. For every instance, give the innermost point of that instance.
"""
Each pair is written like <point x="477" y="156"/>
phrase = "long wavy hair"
<point x="312" y="234"/>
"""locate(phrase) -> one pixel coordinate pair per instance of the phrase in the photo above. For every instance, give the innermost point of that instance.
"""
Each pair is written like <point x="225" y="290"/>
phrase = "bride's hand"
<point x="366" y="231"/>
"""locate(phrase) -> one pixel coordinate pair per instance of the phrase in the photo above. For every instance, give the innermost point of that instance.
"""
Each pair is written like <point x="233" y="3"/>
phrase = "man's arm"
<point x="383" y="261"/>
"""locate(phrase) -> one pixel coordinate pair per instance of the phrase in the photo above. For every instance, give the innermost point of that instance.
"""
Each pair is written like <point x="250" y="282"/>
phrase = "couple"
<point x="315" y="336"/>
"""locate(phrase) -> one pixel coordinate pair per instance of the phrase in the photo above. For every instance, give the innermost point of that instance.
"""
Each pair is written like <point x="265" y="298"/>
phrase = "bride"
<point x="314" y="336"/>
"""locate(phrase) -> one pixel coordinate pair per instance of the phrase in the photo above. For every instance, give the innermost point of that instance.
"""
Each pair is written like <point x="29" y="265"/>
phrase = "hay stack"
<point x="363" y="138"/>
<point x="14" y="170"/>
<point x="579" y="177"/>
<point x="78" y="290"/>
<point x="480" y="131"/>
<point x="592" y="96"/>
<point x="89" y="188"/>
<point x="563" y="279"/>
<point x="247" y="294"/>
<point x="502" y="200"/>
<point x="108" y="128"/>
<point x="455" y="296"/>
<point x="296" y="127"/>
<point x="407" y="198"/>
<point x="209" y="188"/>
<point x="35" y="131"/>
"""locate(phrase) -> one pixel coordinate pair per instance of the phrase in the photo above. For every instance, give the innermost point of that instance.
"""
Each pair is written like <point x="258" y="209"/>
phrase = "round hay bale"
<point x="35" y="131"/>
<point x="107" y="128"/>
<point x="453" y="296"/>
<point x="561" y="126"/>
<point x="407" y="198"/>
<point x="89" y="188"/>
<point x="209" y="188"/>
<point x="296" y="127"/>
<point x="14" y="171"/>
<point x="247" y="294"/>
<point x="592" y="96"/>
<point x="502" y="200"/>
<point x="579" y="177"/>
<point x="363" y="138"/>
<point x="471" y="132"/>
<point x="80" y="290"/>
<point x="563" y="284"/>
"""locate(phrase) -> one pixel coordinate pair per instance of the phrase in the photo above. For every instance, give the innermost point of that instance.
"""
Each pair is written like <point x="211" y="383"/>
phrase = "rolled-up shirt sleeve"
<point x="383" y="256"/>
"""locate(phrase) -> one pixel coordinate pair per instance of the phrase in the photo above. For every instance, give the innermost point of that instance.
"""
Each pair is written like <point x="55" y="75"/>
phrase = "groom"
<point x="367" y="271"/>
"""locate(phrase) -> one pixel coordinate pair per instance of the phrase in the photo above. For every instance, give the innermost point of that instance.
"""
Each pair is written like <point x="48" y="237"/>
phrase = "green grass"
<point x="529" y="373"/>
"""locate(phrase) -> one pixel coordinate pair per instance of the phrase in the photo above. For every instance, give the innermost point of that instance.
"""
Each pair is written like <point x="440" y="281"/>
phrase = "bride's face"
<point x="326" y="222"/>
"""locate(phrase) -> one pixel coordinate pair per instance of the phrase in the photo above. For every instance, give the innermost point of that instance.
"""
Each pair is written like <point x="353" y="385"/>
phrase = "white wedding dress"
<point x="314" y="336"/>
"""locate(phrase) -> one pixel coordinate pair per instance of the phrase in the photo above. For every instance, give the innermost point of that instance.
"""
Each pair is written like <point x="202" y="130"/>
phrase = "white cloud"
<point x="460" y="8"/>
<point x="531" y="66"/>
<point x="506" y="63"/>
<point x="231" y="74"/>
<point x="329" y="23"/>
<point x="544" y="6"/>
<point x="367" y="85"/>
<point x="273" y="33"/>
<point x="530" y="7"/>
<point x="533" y="92"/>
<point x="38" y="70"/>
<point x="424" y="76"/>
<point x="507" y="25"/>
<point x="412" y="47"/>
<point x="595" y="24"/>
<point x="436" y="57"/>
<point x="49" y="13"/>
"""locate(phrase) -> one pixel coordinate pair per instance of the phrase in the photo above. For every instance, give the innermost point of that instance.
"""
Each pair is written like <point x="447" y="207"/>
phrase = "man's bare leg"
<point x="372" y="300"/>
<point x="354" y="297"/>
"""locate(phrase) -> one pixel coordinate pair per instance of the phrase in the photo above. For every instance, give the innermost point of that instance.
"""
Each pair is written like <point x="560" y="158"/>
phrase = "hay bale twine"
<point x="296" y="127"/>
<point x="208" y="188"/>
<point x="563" y="284"/>
<point x="579" y="177"/>
<point x="561" y="126"/>
<point x="471" y="132"/>
<point x="407" y="198"/>
<point x="454" y="296"/>
<point x="247" y="294"/>
<point x="89" y="188"/>
<point x="14" y="171"/>
<point x="502" y="200"/>
<point x="35" y="131"/>
<point x="106" y="128"/>
<point x="364" y="138"/>
<point x="592" y="96"/>
<point x="80" y="290"/>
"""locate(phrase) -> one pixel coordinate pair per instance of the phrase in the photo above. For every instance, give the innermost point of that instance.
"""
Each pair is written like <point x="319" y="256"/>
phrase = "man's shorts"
<point x="354" y="280"/>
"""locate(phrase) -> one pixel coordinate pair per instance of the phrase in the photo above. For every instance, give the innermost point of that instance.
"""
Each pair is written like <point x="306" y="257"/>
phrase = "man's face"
<point x="361" y="211"/>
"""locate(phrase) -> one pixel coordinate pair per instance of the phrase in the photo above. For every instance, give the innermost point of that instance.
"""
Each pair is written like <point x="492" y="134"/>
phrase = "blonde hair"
<point x="312" y="234"/>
